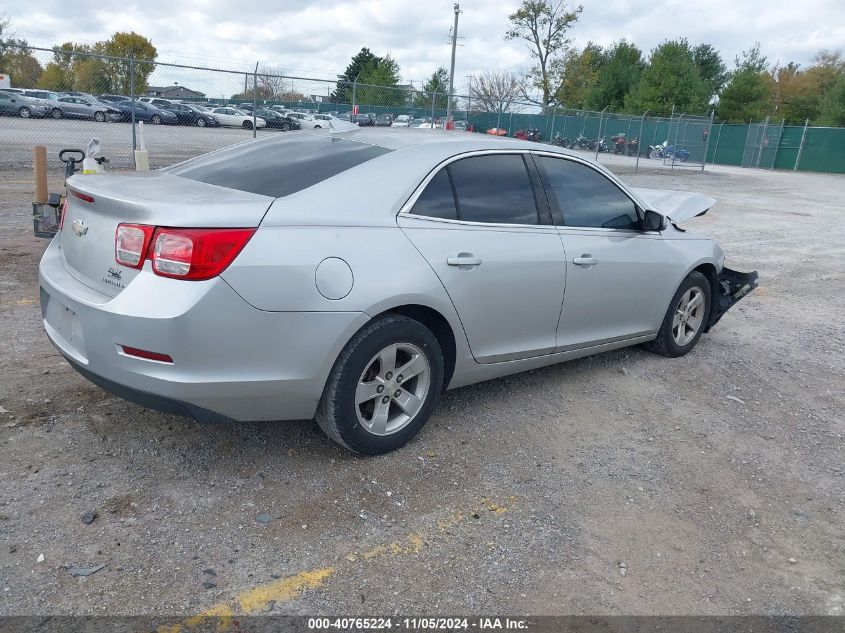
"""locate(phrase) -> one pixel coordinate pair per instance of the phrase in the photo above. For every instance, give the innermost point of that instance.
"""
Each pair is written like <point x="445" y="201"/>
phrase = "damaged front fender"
<point x="733" y="286"/>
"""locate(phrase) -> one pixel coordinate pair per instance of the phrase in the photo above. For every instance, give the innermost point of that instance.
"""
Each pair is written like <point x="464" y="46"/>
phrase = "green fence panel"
<point x="824" y="150"/>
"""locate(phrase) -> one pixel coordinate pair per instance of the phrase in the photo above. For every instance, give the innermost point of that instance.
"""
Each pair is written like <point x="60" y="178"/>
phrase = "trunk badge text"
<point x="80" y="228"/>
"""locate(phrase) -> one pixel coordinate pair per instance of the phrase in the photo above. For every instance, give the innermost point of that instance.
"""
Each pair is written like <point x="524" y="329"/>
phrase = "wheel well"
<point x="709" y="271"/>
<point x="440" y="327"/>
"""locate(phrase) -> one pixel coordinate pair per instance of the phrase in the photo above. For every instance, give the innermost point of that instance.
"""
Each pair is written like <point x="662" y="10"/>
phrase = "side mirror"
<point x="653" y="221"/>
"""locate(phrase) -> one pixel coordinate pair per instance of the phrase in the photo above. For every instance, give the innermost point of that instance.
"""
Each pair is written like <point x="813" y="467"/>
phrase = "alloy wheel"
<point x="392" y="388"/>
<point x="689" y="316"/>
<point x="25" y="113"/>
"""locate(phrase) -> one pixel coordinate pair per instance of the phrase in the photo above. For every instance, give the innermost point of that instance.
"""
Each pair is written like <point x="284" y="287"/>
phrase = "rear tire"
<point x="654" y="154"/>
<point x="353" y="411"/>
<point x="200" y="122"/>
<point x="156" y="120"/>
<point x="285" y="127"/>
<point x="684" y="323"/>
<point x="99" y="117"/>
<point x="25" y="112"/>
<point x="247" y="125"/>
<point x="56" y="113"/>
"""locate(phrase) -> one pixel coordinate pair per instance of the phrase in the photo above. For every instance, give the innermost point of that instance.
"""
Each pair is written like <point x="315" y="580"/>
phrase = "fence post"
<point x="132" y="98"/>
<point x="762" y="140"/>
<point x="510" y="125"/>
<point x="254" y="99"/>
<point x="707" y="142"/>
<point x="554" y="114"/>
<point x="354" y="90"/>
<point x="716" y="148"/>
<point x="640" y="141"/>
<point x="598" y="138"/>
<point x="433" y="95"/>
<point x="675" y="144"/>
<point x="801" y="145"/>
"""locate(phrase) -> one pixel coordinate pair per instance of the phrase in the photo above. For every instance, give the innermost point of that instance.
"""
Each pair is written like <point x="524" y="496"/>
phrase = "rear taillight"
<point x="82" y="196"/>
<point x="131" y="242"/>
<point x="193" y="254"/>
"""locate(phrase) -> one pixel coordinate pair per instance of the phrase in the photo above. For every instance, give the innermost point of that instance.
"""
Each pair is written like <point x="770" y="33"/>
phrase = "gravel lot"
<point x="713" y="481"/>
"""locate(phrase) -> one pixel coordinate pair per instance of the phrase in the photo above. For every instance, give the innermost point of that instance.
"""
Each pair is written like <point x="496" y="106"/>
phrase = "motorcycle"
<point x="619" y="143"/>
<point x="529" y="135"/>
<point x="664" y="150"/>
<point x="582" y="142"/>
<point x="601" y="144"/>
<point x="560" y="141"/>
<point x="632" y="147"/>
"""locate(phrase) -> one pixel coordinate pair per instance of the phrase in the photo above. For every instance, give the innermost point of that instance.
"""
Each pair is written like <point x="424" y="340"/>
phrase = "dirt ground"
<point x="625" y="483"/>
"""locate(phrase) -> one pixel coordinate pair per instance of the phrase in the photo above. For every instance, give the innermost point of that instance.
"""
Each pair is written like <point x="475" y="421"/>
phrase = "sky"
<point x="316" y="38"/>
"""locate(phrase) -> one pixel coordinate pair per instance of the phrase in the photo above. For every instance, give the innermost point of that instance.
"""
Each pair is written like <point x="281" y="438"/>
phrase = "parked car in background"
<point x="86" y="108"/>
<point x="323" y="117"/>
<point x="403" y="120"/>
<point x="233" y="117"/>
<point x="307" y="121"/>
<point x="191" y="115"/>
<point x="15" y="104"/>
<point x="384" y="120"/>
<point x="365" y="119"/>
<point x="45" y="98"/>
<point x="277" y="120"/>
<point x="112" y="98"/>
<point x="145" y="112"/>
<point x="344" y="116"/>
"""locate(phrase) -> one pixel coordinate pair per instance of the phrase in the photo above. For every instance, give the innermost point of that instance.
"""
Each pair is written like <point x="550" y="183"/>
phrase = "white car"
<point x="307" y="121"/>
<point x="403" y="120"/>
<point x="236" y="118"/>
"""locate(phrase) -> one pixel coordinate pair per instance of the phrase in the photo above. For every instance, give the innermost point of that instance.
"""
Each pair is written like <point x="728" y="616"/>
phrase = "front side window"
<point x="585" y="197"/>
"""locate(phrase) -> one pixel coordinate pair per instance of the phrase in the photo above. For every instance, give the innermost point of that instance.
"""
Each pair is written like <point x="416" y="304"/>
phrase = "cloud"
<point x="317" y="37"/>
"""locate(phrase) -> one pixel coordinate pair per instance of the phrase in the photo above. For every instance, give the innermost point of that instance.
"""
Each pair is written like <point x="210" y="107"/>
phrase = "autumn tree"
<point x="543" y="26"/>
<point x="16" y="60"/>
<point x="578" y="74"/>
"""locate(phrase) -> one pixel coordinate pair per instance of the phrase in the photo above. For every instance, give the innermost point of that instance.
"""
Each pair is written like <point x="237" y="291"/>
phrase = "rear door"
<point x="478" y="224"/>
<point x="616" y="273"/>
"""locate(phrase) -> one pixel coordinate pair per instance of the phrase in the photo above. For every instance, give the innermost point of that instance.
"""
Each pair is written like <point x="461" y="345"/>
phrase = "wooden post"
<point x="39" y="153"/>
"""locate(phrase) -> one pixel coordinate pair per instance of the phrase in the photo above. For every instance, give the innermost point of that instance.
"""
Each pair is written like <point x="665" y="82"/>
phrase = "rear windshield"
<point x="280" y="165"/>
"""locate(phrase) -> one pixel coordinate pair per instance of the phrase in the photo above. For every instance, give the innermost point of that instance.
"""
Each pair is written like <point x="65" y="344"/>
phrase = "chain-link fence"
<point x="177" y="111"/>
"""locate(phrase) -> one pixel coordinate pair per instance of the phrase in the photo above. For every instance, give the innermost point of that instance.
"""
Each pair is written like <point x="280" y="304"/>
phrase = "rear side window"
<point x="494" y="189"/>
<point x="437" y="201"/>
<point x="585" y="197"/>
<point x="278" y="165"/>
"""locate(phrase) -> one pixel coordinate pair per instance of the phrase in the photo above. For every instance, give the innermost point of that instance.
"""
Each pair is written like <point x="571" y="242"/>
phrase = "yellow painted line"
<point x="258" y="598"/>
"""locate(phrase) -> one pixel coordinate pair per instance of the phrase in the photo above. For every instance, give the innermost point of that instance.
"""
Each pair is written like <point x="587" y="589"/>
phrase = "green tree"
<point x="91" y="75"/>
<point x="117" y="71"/>
<point x="578" y="76"/>
<point x="437" y="86"/>
<point x="15" y="60"/>
<point x="832" y="110"/>
<point x="543" y="26"/>
<point x="378" y="84"/>
<point x="671" y="78"/>
<point x="747" y="95"/>
<point x="55" y="78"/>
<point x="618" y="74"/>
<point x="343" y="89"/>
<point x="711" y="68"/>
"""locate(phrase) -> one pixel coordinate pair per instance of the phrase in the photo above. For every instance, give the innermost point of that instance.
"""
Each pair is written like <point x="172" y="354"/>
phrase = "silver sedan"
<point x="350" y="277"/>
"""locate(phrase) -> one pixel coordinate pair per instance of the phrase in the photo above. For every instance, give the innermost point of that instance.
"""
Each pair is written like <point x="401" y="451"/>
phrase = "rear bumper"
<point x="230" y="360"/>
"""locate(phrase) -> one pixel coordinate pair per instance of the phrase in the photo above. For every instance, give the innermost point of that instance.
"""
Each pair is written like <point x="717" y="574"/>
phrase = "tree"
<point x="578" y="76"/>
<point x="711" y="68"/>
<point x="747" y="96"/>
<point x="618" y="72"/>
<point x="671" y="79"/>
<point x="493" y="91"/>
<point x="343" y="89"/>
<point x="378" y="84"/>
<point x="543" y="26"/>
<point x="832" y="107"/>
<point x="15" y="60"/>
<point x="437" y="86"/>
<point x="117" y="71"/>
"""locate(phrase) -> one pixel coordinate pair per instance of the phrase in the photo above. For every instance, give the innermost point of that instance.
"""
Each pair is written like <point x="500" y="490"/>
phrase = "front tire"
<point x="56" y="113"/>
<point x="99" y="117"/>
<point x="156" y="120"/>
<point x="247" y="125"/>
<point x="383" y="386"/>
<point x="200" y="122"/>
<point x="685" y="318"/>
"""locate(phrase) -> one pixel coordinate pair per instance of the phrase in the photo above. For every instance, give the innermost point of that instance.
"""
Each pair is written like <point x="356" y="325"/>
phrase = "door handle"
<point x="464" y="259"/>
<point x="585" y="260"/>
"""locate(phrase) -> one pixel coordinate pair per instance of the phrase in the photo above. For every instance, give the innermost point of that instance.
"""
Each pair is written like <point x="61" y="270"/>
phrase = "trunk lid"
<point x="154" y="198"/>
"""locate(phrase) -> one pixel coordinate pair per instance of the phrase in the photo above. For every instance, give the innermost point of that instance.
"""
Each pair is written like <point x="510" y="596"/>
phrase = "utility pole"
<point x="452" y="67"/>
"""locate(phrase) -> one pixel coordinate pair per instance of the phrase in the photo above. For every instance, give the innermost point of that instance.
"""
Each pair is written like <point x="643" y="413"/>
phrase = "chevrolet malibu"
<point x="351" y="277"/>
